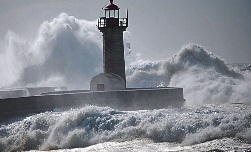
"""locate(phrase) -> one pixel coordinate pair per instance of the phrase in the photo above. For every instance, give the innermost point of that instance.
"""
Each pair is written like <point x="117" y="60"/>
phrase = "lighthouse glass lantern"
<point x="111" y="17"/>
<point x="111" y="13"/>
<point x="112" y="10"/>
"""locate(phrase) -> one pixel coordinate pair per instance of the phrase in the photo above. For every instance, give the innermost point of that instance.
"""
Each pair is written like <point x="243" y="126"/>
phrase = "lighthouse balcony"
<point x="104" y="22"/>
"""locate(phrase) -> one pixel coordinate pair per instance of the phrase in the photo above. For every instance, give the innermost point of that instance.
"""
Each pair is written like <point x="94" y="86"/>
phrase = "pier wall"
<point x="131" y="99"/>
<point x="28" y="91"/>
<point x="8" y="93"/>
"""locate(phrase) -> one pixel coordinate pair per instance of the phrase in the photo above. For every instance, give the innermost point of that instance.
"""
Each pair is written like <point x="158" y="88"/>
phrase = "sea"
<point x="68" y="52"/>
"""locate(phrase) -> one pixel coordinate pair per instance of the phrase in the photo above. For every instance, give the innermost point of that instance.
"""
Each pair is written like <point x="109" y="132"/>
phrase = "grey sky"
<point x="159" y="28"/>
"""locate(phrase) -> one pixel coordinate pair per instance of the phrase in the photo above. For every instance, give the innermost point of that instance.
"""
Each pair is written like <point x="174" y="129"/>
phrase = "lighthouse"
<point x="106" y="89"/>
<point x="112" y="28"/>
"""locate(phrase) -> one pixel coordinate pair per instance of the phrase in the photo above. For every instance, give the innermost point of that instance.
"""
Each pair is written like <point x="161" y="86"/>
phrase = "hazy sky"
<point x="159" y="28"/>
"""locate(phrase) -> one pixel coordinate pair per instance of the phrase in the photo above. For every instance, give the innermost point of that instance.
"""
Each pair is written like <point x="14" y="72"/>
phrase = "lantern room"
<point x="111" y="17"/>
<point x="111" y="11"/>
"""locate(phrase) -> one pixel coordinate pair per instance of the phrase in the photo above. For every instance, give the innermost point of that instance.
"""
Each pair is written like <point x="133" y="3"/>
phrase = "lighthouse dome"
<point x="107" y="82"/>
<point x="111" y="7"/>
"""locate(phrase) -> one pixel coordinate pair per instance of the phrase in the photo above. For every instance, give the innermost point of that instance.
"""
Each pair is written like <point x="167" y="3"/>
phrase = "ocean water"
<point x="67" y="51"/>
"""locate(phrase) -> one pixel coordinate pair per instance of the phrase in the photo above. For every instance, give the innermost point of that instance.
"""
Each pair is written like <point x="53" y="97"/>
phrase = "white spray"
<point x="66" y="51"/>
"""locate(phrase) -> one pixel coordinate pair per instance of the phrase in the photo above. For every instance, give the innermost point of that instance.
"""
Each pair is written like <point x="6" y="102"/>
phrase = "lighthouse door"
<point x="100" y="87"/>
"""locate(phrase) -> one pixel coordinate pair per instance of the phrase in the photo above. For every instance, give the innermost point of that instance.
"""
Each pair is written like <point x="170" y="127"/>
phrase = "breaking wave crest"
<point x="91" y="125"/>
<point x="205" y="77"/>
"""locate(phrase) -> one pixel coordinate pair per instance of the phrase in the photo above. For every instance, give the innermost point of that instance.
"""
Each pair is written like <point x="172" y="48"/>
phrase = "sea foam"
<point x="91" y="125"/>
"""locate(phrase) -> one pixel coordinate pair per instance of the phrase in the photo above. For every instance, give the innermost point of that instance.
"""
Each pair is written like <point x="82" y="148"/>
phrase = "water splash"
<point x="65" y="51"/>
<point x="205" y="77"/>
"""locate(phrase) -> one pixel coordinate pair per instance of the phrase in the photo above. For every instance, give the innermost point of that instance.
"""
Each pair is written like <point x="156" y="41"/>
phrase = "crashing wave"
<point x="92" y="125"/>
<point x="65" y="51"/>
<point x="205" y="77"/>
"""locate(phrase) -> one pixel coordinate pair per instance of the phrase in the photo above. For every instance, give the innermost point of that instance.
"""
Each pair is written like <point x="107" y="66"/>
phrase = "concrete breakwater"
<point x="130" y="99"/>
<point x="27" y="91"/>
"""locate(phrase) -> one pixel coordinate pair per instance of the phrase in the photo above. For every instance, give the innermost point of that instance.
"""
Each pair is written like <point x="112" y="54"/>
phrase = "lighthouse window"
<point x="100" y="87"/>
<point x="112" y="13"/>
<point x="116" y="14"/>
<point x="107" y="14"/>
